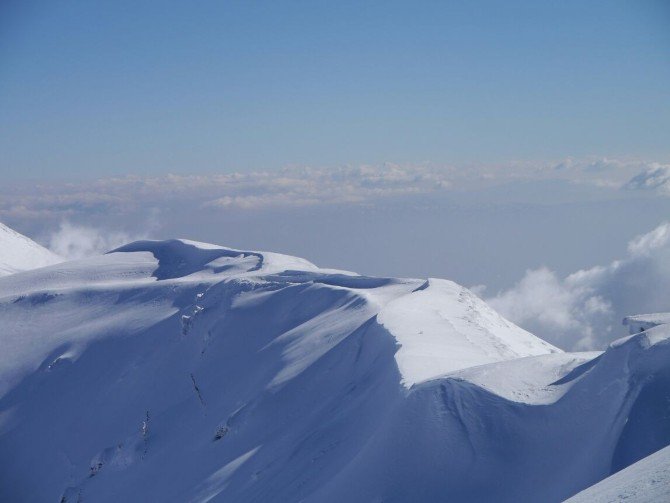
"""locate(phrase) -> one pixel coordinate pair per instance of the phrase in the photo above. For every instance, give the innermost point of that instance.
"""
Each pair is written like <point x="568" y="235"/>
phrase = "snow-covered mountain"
<point x="182" y="371"/>
<point x="19" y="253"/>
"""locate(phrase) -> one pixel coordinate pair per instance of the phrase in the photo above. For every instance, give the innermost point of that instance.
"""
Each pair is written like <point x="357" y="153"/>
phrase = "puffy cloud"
<point x="75" y="241"/>
<point x="646" y="244"/>
<point x="542" y="297"/>
<point x="584" y="310"/>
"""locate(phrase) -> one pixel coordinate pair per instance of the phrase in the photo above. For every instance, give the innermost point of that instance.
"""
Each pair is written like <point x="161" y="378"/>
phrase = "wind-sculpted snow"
<point x="180" y="371"/>
<point x="500" y="433"/>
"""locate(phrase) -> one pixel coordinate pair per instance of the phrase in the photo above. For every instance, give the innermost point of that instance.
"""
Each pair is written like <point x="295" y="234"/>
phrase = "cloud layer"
<point x="655" y="178"/>
<point x="584" y="310"/>
<point x="245" y="191"/>
<point x="306" y="186"/>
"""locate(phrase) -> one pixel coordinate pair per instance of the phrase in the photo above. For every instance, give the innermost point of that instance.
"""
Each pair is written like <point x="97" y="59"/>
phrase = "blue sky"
<point x="507" y="145"/>
<point x="95" y="89"/>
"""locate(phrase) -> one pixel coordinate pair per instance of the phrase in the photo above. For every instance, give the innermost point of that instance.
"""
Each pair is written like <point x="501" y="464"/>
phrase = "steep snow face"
<point x="159" y="268"/>
<point x="442" y="327"/>
<point x="647" y="481"/>
<point x="181" y="371"/>
<point x="532" y="429"/>
<point x="19" y="253"/>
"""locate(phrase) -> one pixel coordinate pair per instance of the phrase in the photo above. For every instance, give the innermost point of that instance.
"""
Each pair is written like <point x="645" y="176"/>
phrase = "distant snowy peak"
<point x="19" y="253"/>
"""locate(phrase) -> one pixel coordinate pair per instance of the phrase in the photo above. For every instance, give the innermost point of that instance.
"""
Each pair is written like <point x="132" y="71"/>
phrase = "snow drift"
<point x="181" y="371"/>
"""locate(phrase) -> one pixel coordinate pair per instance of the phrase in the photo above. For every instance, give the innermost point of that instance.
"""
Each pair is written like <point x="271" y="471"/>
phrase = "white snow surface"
<point x="640" y="322"/>
<point x="647" y="481"/>
<point x="443" y="327"/>
<point x="181" y="371"/>
<point x="440" y="326"/>
<point x="20" y="253"/>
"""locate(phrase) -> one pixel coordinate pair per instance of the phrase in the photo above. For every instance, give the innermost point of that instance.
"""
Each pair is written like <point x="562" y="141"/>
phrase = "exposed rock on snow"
<point x="640" y="322"/>
<point x="181" y="371"/>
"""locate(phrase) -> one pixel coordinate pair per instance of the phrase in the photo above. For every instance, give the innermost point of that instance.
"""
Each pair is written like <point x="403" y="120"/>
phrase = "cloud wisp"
<point x="584" y="310"/>
<point x="77" y="241"/>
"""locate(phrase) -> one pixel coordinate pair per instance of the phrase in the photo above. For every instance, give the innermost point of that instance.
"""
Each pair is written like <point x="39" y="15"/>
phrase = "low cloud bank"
<point x="584" y="310"/>
<point x="308" y="186"/>
<point x="291" y="187"/>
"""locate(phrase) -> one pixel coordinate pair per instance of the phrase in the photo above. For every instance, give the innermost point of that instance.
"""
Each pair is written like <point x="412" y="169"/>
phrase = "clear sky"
<point x="98" y="88"/>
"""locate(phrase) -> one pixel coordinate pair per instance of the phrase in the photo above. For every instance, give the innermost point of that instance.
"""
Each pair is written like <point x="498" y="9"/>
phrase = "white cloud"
<point x="646" y="244"/>
<point x="541" y="296"/>
<point x="75" y="241"/>
<point x="301" y="186"/>
<point x="313" y="186"/>
<point x="261" y="201"/>
<point x="584" y="310"/>
<point x="655" y="178"/>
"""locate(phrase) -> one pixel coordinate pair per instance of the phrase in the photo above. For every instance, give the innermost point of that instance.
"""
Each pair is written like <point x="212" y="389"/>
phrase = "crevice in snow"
<point x="144" y="430"/>
<point x="71" y="495"/>
<point x="197" y="390"/>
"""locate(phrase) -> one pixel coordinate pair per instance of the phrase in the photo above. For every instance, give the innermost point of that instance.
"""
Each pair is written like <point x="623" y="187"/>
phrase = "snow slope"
<point x="531" y="429"/>
<point x="647" y="481"/>
<point x="181" y="371"/>
<point x="19" y="253"/>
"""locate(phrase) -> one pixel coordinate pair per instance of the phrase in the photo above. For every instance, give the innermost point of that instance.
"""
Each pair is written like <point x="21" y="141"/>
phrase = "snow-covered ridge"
<point x="182" y="371"/>
<point x="641" y="322"/>
<point x="20" y="253"/>
<point x="442" y="327"/>
<point x="439" y="326"/>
